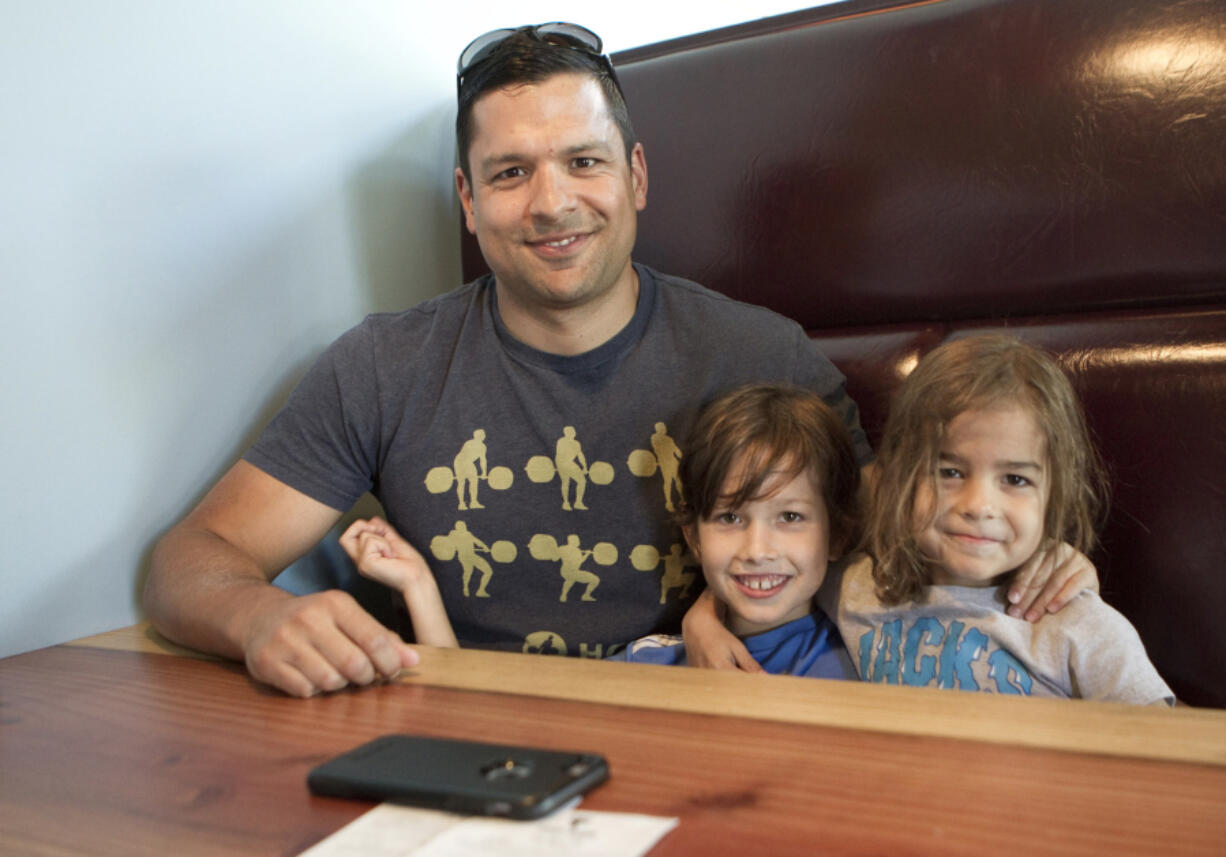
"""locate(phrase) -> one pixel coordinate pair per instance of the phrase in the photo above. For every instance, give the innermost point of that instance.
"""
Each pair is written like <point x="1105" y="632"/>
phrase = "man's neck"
<point x="571" y="330"/>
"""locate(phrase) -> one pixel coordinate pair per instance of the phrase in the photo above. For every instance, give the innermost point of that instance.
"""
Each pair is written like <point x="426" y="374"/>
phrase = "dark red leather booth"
<point x="893" y="174"/>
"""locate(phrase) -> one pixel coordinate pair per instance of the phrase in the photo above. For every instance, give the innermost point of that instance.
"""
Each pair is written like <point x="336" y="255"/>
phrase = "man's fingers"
<point x="293" y="682"/>
<point x="1073" y="587"/>
<point x="322" y="643"/>
<point x="1049" y="581"/>
<point x="744" y="661"/>
<point x="1028" y="582"/>
<point x="733" y="656"/>
<point x="365" y="649"/>
<point x="1069" y="579"/>
<point x="293" y="665"/>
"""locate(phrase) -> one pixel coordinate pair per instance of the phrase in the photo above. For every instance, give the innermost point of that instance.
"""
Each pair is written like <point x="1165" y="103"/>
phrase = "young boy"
<point x="770" y="484"/>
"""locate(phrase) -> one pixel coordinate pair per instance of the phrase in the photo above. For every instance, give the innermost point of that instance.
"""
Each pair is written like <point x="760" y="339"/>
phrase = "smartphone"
<point x="460" y="776"/>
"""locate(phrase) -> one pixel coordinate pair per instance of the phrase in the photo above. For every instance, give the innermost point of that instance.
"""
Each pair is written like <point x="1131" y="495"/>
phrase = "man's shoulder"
<point x="454" y="303"/>
<point x="441" y="315"/>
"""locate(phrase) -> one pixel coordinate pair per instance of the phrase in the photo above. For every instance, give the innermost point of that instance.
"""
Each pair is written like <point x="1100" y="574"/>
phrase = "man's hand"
<point x="320" y="643"/>
<point x="1049" y="580"/>
<point x="209" y="589"/>
<point x="709" y="644"/>
<point x="382" y="554"/>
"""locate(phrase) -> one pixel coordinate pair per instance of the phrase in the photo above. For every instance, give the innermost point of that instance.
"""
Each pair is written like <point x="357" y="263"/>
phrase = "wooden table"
<point x="110" y="746"/>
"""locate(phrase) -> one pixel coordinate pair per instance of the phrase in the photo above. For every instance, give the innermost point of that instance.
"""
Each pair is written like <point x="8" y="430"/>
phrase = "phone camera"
<point x="507" y="769"/>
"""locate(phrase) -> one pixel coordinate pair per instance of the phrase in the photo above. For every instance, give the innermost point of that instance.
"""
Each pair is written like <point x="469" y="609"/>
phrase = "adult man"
<point x="567" y="331"/>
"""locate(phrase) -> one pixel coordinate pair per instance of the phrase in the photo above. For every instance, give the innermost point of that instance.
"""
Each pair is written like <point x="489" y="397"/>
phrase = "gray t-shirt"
<point x="534" y="484"/>
<point x="961" y="637"/>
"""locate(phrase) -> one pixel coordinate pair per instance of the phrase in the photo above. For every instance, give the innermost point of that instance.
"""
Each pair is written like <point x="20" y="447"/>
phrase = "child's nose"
<point x="758" y="543"/>
<point x="977" y="500"/>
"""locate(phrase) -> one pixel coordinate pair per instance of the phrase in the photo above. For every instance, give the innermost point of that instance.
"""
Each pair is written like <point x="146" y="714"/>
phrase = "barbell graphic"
<point x="440" y="479"/>
<point x="544" y="547"/>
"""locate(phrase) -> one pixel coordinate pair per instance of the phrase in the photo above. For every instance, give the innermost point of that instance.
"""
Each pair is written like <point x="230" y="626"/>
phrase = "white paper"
<point x="389" y="830"/>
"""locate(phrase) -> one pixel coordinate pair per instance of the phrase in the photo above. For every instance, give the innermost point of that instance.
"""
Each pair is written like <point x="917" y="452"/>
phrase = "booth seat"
<point x="892" y="175"/>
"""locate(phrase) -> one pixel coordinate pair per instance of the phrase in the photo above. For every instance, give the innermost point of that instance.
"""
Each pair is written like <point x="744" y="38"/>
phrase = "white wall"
<point x="195" y="198"/>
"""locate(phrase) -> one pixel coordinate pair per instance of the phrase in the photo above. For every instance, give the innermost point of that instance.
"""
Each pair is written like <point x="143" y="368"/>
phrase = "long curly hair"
<point x="977" y="373"/>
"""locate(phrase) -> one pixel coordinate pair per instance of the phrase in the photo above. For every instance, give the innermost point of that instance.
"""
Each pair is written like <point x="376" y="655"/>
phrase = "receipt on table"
<point x="390" y="830"/>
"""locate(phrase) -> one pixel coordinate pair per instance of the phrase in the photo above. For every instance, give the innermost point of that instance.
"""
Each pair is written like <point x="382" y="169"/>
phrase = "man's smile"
<point x="559" y="246"/>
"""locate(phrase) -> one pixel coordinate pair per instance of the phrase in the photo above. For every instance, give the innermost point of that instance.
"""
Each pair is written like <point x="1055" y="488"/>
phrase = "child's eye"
<point x="1015" y="481"/>
<point x="949" y="473"/>
<point x="726" y="518"/>
<point x="792" y="517"/>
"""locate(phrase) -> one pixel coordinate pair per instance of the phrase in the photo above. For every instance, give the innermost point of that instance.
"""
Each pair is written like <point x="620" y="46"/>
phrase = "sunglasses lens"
<point x="571" y="32"/>
<point x="479" y="47"/>
<point x="558" y="33"/>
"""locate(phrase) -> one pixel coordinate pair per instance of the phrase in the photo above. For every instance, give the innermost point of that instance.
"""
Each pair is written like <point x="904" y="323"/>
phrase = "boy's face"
<point x="990" y="498"/>
<point x="765" y="559"/>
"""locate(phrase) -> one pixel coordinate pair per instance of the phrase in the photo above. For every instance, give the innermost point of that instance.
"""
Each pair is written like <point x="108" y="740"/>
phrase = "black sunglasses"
<point x="555" y="33"/>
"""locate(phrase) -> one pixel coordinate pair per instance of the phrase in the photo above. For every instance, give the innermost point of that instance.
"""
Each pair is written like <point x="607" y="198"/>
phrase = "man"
<point x="566" y="331"/>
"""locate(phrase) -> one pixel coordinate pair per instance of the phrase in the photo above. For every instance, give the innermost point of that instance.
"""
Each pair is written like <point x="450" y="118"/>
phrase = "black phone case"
<point x="460" y="776"/>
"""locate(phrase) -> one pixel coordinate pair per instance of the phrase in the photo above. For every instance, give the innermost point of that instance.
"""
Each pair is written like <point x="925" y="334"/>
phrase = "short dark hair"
<point x="770" y="428"/>
<point x="523" y="58"/>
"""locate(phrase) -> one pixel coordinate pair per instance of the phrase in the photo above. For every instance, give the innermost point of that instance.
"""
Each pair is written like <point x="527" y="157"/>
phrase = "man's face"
<point x="553" y="201"/>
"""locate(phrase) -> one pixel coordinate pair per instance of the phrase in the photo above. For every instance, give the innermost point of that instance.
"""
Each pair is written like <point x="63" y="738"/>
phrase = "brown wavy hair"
<point x="770" y="428"/>
<point x="975" y="373"/>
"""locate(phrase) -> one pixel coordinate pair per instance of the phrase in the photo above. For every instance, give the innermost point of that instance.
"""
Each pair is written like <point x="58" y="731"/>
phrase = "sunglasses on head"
<point x="555" y="33"/>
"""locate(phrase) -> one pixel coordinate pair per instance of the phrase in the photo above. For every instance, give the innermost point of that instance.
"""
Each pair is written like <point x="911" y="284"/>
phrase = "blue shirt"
<point x="809" y="646"/>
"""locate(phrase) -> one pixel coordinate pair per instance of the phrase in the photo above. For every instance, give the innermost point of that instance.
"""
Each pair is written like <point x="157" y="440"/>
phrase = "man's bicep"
<point x="262" y="517"/>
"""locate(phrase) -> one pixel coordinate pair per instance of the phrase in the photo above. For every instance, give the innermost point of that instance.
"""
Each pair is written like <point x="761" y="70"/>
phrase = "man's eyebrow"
<point x="588" y="146"/>
<point x="493" y="162"/>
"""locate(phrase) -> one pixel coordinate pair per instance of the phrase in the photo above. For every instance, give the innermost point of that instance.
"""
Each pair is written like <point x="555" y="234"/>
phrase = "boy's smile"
<point x="765" y="559"/>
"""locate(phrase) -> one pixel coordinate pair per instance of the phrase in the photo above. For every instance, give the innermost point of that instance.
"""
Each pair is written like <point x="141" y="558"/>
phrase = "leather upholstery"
<point x="894" y="174"/>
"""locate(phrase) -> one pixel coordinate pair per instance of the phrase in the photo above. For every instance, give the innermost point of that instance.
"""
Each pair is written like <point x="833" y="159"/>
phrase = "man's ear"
<point x="465" y="190"/>
<point x="638" y="175"/>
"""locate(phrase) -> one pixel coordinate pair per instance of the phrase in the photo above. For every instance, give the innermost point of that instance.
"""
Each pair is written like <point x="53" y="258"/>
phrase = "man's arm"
<point x="209" y="588"/>
<point x="1049" y="580"/>
<point x="708" y="643"/>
